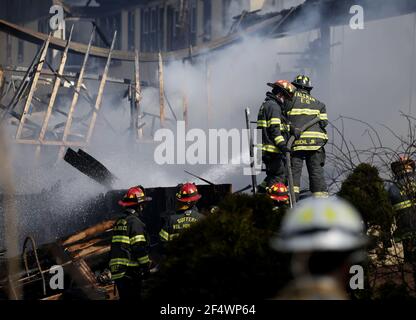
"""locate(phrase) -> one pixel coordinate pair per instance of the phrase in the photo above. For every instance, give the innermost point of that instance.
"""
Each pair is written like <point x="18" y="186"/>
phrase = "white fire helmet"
<point x="321" y="224"/>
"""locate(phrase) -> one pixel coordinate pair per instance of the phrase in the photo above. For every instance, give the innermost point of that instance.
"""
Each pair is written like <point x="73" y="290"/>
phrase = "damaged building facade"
<point x="148" y="26"/>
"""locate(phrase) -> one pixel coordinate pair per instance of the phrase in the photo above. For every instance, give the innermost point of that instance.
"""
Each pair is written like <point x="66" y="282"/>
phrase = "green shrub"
<point x="225" y="256"/>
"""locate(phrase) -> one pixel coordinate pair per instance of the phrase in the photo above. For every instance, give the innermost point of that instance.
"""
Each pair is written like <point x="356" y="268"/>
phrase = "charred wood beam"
<point x="90" y="232"/>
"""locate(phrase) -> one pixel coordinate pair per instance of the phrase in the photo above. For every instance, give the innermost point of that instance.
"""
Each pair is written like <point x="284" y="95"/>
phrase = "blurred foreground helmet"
<point x="315" y="224"/>
<point x="403" y="165"/>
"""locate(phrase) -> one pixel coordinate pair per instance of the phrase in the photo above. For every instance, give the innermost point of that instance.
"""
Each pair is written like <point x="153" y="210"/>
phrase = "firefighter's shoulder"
<point x="134" y="221"/>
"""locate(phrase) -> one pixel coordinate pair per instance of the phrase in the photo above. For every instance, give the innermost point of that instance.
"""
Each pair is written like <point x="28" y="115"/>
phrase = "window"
<point x="8" y="49"/>
<point x="153" y="30"/>
<point x="175" y="23"/>
<point x="154" y="20"/>
<point x="193" y="14"/>
<point x="161" y="31"/>
<point x="226" y="16"/>
<point x="108" y="25"/>
<point x="146" y="21"/>
<point x="131" y="30"/>
<point x="144" y="37"/>
<point x="20" y="51"/>
<point x="207" y="20"/>
<point x="115" y="24"/>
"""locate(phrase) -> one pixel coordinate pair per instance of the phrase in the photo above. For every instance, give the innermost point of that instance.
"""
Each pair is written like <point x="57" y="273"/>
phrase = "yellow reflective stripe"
<point x="306" y="148"/>
<point x="115" y="276"/>
<point x="164" y="235"/>
<point x="296" y="189"/>
<point x="122" y="261"/>
<point x="274" y="121"/>
<point x="279" y="139"/>
<point x="268" y="123"/>
<point x="403" y="205"/>
<point x="284" y="127"/>
<point x="308" y="112"/>
<point x="269" y="148"/>
<point x="262" y="123"/>
<point x="173" y="236"/>
<point x="320" y="194"/>
<point x="122" y="239"/>
<point x="127" y="262"/>
<point x="144" y="260"/>
<point x="323" y="116"/>
<point x="138" y="238"/>
<point x="314" y="134"/>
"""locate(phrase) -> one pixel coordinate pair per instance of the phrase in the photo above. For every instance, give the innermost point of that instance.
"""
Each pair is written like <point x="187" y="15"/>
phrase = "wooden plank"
<point x="87" y="272"/>
<point x="92" y="251"/>
<point x="100" y="91"/>
<point x="53" y="95"/>
<point x="54" y="297"/>
<point x="84" y="245"/>
<point x="75" y="96"/>
<point x="51" y="143"/>
<point x="68" y="75"/>
<point x="89" y="232"/>
<point x="161" y="92"/>
<point x="32" y="88"/>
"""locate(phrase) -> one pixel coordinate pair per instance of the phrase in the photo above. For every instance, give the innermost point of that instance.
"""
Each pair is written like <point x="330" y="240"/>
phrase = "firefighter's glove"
<point x="283" y="148"/>
<point x="295" y="132"/>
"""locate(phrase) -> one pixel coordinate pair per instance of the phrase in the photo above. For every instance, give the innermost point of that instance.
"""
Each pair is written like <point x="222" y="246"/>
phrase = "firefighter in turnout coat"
<point x="309" y="145"/>
<point x="275" y="131"/>
<point x="130" y="262"/>
<point x="186" y="212"/>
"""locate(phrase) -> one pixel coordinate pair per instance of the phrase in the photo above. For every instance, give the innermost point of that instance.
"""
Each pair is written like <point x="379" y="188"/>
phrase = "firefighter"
<point x="402" y="195"/>
<point x="325" y="238"/>
<point x="279" y="194"/>
<point x="275" y="132"/>
<point x="309" y="145"/>
<point x="130" y="262"/>
<point x="186" y="213"/>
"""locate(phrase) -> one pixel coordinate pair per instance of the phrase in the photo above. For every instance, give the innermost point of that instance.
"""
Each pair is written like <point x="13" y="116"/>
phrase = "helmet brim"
<point x="297" y="85"/>
<point x="276" y="86"/>
<point x="279" y="198"/>
<point x="190" y="199"/>
<point x="132" y="203"/>
<point x="331" y="240"/>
